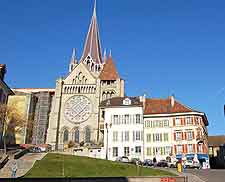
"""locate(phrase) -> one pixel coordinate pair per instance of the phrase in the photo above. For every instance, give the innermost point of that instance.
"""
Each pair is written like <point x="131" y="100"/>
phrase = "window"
<point x="115" y="136"/>
<point x="189" y="121"/>
<point x="149" y="137"/>
<point x="179" y="149"/>
<point x="166" y="123"/>
<point x="190" y="148"/>
<point x="103" y="114"/>
<point x="126" y="101"/>
<point x="115" y="151"/>
<point x="87" y="135"/>
<point x="168" y="150"/>
<point x="126" y="151"/>
<point x="158" y="137"/>
<point x="178" y="135"/>
<point x="138" y="149"/>
<point x="126" y="119"/>
<point x="138" y="119"/>
<point x="65" y="135"/>
<point x="178" y="121"/>
<point x="115" y="119"/>
<point x="127" y="136"/>
<point x="189" y="135"/>
<point x="200" y="148"/>
<point x="138" y="135"/>
<point x="149" y="151"/>
<point x="77" y="136"/>
<point x="166" y="137"/>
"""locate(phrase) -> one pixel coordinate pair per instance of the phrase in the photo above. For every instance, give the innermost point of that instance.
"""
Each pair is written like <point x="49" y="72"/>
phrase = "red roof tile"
<point x="109" y="71"/>
<point x="164" y="106"/>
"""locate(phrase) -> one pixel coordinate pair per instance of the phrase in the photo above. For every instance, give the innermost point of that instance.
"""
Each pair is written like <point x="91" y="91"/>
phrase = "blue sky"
<point x="160" y="47"/>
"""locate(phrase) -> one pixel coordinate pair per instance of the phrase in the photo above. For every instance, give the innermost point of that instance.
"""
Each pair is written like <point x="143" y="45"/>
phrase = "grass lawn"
<point x="52" y="166"/>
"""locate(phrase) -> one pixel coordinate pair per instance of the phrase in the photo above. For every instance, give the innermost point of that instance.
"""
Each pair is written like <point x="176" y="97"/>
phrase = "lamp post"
<point x="107" y="139"/>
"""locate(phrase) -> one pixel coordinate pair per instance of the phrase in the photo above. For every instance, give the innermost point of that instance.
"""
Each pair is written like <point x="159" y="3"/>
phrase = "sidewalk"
<point x="191" y="177"/>
<point x="24" y="164"/>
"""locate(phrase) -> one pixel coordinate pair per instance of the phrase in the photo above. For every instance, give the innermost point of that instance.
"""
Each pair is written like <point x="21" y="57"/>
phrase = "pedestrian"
<point x="14" y="169"/>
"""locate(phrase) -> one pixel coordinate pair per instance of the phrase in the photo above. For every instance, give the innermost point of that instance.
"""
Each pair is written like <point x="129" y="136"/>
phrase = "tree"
<point x="12" y="122"/>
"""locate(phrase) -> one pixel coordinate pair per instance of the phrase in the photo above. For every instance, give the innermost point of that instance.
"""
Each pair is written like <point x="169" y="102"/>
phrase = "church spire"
<point x="92" y="45"/>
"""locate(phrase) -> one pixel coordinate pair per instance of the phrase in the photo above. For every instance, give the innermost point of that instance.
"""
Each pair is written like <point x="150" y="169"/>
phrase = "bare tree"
<point x="12" y="122"/>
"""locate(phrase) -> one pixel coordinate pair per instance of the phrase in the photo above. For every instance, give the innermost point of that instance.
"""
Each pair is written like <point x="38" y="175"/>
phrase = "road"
<point x="209" y="175"/>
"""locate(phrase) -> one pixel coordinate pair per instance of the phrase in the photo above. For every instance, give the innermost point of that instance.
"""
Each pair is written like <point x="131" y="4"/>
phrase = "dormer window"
<point x="127" y="101"/>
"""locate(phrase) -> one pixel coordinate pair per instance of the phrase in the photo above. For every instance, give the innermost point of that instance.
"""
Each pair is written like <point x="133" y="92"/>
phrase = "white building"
<point x="123" y="127"/>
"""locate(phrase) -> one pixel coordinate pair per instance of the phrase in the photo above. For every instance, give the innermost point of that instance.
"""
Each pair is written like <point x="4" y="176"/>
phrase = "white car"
<point x="192" y="164"/>
<point x="123" y="159"/>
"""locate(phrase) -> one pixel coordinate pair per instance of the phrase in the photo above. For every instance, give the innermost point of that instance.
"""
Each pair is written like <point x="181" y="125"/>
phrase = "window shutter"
<point x="185" y="135"/>
<point x="183" y="148"/>
<point x="184" y="121"/>
<point x="174" y="135"/>
<point x="133" y="135"/>
<point x="175" y="149"/>
<point x="193" y="135"/>
<point x="193" y="148"/>
<point x="122" y="136"/>
<point x="174" y="123"/>
<point x="197" y="148"/>
<point x="182" y="135"/>
<point x="192" y="120"/>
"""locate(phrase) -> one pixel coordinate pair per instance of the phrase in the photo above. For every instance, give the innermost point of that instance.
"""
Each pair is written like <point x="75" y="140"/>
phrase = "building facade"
<point x="75" y="115"/>
<point x="5" y="92"/>
<point x="123" y="127"/>
<point x="174" y="130"/>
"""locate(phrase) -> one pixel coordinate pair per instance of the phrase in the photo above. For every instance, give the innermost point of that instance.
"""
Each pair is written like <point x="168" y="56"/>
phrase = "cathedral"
<point x="75" y="115"/>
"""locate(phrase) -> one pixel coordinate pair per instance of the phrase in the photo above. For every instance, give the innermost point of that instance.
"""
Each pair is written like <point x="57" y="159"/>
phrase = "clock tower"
<point x="75" y="115"/>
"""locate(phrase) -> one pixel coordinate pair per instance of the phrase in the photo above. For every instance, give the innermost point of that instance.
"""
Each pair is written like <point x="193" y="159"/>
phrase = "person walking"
<point x="14" y="169"/>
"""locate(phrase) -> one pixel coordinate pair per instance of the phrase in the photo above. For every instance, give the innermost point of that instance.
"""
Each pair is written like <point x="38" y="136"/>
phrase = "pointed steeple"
<point x="92" y="45"/>
<point x="104" y="56"/>
<point x="73" y="60"/>
<point x="73" y="57"/>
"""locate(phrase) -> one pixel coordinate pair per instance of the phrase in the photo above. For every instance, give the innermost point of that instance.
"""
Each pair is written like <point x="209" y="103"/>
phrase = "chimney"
<point x="172" y="100"/>
<point x="2" y="71"/>
<point x="142" y="99"/>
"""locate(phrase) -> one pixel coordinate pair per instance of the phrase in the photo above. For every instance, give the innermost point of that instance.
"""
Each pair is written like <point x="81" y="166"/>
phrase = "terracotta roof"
<point x="164" y="106"/>
<point x="216" y="140"/>
<point x="118" y="101"/>
<point x="109" y="71"/>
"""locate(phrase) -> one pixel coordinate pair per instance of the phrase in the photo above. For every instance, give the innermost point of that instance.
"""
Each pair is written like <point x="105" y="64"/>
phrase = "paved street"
<point x="211" y="175"/>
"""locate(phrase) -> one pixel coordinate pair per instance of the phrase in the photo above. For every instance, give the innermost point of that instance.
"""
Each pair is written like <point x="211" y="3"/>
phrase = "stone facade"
<point x="75" y="115"/>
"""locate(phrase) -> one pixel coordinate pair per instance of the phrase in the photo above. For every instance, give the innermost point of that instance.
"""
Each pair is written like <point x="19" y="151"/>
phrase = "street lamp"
<point x="107" y="139"/>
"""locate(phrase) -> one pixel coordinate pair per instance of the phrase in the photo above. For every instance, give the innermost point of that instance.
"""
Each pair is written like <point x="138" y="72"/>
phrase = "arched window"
<point x="65" y="136"/>
<point x="77" y="136"/>
<point x="87" y="135"/>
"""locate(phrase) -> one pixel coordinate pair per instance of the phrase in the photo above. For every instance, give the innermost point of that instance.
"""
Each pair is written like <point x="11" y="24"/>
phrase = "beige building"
<point x="75" y="115"/>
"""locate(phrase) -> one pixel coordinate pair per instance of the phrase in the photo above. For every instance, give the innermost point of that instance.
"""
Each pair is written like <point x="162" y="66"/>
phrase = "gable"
<point x="80" y="75"/>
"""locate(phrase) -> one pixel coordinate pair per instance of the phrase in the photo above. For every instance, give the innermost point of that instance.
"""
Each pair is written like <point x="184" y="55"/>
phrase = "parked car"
<point x="192" y="163"/>
<point x="172" y="164"/>
<point x="148" y="162"/>
<point x="123" y="159"/>
<point x="35" y="150"/>
<point x="162" y="163"/>
<point x="136" y="161"/>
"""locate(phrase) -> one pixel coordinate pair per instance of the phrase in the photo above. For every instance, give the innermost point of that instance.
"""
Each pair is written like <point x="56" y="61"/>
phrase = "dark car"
<point x="162" y="163"/>
<point x="148" y="162"/>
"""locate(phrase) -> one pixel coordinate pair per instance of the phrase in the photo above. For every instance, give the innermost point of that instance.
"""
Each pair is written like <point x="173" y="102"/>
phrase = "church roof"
<point x="109" y="71"/>
<point x="92" y="45"/>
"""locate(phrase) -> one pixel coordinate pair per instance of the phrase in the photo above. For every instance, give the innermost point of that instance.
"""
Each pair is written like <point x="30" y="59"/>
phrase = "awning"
<point x="179" y="156"/>
<point x="188" y="156"/>
<point x="203" y="156"/>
